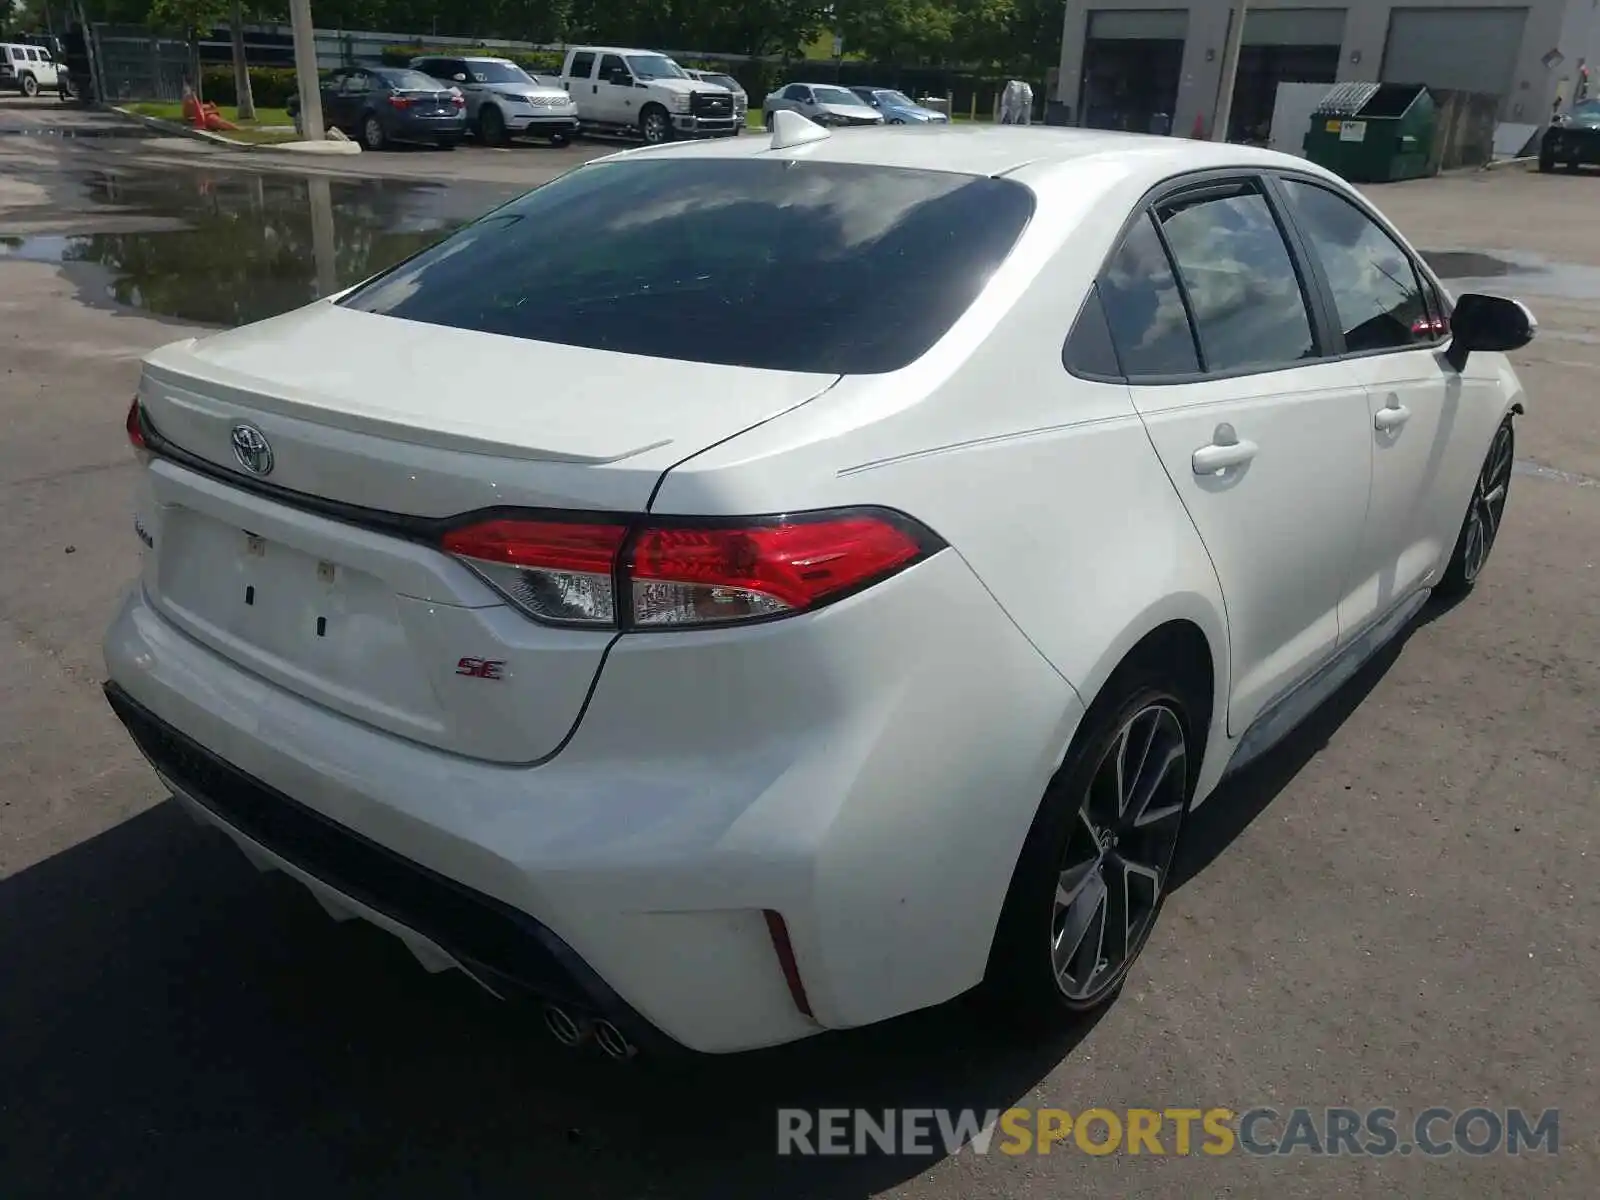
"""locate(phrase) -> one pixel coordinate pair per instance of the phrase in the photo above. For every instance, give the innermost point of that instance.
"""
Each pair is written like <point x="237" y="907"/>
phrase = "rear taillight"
<point x="400" y="101"/>
<point x="558" y="571"/>
<point x="660" y="573"/>
<point x="136" y="425"/>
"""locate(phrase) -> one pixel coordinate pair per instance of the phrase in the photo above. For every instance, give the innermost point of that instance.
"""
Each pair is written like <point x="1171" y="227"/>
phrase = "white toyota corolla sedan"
<point x="746" y="589"/>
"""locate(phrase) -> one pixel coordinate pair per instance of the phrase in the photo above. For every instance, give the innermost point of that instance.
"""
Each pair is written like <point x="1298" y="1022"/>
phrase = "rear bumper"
<point x="446" y="923"/>
<point x="452" y="128"/>
<point x="868" y="772"/>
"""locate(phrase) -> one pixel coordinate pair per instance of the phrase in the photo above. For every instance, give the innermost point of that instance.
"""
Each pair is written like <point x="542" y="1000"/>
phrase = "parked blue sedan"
<point x="384" y="105"/>
<point x="898" y="108"/>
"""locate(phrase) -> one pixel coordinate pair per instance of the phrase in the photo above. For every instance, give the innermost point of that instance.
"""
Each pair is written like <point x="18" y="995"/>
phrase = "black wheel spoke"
<point x="1117" y="850"/>
<point x="1080" y="937"/>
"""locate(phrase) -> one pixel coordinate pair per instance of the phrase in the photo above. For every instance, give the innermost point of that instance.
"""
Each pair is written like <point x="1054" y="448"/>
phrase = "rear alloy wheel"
<point x="30" y="86"/>
<point x="655" y="126"/>
<point x="1484" y="514"/>
<point x="372" y="135"/>
<point x="1095" y="869"/>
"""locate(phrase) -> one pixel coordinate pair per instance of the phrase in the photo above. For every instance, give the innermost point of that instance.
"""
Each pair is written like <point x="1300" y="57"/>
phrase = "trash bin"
<point x="1373" y="132"/>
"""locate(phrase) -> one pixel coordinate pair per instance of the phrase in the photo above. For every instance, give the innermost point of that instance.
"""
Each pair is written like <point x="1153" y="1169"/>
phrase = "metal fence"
<point x="134" y="64"/>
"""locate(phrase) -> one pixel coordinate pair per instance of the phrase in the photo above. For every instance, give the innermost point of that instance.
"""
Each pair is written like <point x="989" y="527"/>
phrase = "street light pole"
<point x="1230" y="73"/>
<point x="305" y="68"/>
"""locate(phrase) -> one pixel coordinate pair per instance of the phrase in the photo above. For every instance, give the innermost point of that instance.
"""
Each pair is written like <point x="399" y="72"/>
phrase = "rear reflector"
<point x="779" y="933"/>
<point x="136" y="425"/>
<point x="677" y="573"/>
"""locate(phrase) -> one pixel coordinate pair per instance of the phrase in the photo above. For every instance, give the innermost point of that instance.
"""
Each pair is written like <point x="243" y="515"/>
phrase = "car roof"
<point x="974" y="149"/>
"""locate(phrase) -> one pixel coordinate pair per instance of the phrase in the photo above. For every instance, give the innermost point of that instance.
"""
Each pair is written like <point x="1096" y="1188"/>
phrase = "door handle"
<point x="1226" y="450"/>
<point x="1391" y="416"/>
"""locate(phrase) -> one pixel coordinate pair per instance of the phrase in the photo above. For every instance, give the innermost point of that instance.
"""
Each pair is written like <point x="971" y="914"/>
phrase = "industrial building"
<point x="1131" y="64"/>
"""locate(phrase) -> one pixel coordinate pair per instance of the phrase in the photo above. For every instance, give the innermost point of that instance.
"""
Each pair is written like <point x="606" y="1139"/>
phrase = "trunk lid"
<point x="319" y="573"/>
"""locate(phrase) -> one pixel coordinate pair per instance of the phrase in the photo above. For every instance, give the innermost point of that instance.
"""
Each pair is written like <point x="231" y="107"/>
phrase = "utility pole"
<point x="305" y="69"/>
<point x="1230" y="73"/>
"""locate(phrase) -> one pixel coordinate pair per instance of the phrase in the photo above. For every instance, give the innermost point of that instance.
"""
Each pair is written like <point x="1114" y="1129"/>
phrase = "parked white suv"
<point x="503" y="100"/>
<point x="773" y="665"/>
<point x="644" y="94"/>
<point x="28" y="69"/>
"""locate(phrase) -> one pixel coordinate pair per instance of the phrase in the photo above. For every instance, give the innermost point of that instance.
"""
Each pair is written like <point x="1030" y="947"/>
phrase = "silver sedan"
<point x="824" y="103"/>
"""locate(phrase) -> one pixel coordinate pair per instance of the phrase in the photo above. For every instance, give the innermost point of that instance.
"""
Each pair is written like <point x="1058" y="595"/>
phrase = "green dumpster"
<point x="1373" y="132"/>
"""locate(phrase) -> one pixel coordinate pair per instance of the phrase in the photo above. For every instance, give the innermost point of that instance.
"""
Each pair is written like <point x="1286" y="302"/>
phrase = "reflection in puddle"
<point x="252" y="246"/>
<point x="1508" y="273"/>
<point x="1466" y="264"/>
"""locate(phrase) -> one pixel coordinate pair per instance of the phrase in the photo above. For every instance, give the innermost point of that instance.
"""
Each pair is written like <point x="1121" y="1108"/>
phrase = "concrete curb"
<point x="1520" y="161"/>
<point x="177" y="129"/>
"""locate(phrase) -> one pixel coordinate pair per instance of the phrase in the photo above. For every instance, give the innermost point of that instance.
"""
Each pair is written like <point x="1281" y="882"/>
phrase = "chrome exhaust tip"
<point x="563" y="1026"/>
<point x="611" y="1039"/>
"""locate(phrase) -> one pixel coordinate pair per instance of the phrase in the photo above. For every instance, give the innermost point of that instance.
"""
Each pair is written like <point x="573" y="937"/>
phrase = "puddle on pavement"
<point x="1513" y="274"/>
<point x="250" y="246"/>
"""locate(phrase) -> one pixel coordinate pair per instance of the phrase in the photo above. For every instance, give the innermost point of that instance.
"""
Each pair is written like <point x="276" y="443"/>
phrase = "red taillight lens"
<point x="400" y="101"/>
<point x="559" y="571"/>
<point x="686" y="573"/>
<point x="136" y="425"/>
<point x="696" y="575"/>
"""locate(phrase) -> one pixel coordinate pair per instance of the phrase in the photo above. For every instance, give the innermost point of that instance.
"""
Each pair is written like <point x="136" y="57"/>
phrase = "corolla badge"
<point x="252" y="450"/>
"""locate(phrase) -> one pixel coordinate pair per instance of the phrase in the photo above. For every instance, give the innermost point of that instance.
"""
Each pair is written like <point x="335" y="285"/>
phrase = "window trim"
<point x="1220" y="180"/>
<point x="1425" y="277"/>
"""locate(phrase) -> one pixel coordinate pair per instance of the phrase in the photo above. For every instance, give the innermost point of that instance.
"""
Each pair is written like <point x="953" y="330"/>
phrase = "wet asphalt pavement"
<point x="1396" y="908"/>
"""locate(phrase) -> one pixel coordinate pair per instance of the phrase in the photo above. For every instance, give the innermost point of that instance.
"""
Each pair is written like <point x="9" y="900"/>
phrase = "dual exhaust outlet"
<point x="574" y="1029"/>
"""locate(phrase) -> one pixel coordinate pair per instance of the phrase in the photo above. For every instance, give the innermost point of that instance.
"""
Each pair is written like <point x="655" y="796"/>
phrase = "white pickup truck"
<point x="645" y="94"/>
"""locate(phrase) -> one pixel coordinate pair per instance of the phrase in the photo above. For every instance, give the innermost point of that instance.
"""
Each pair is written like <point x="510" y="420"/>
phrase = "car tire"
<point x="1547" y="164"/>
<point x="766" y="121"/>
<point x="1090" y="861"/>
<point x="30" y="86"/>
<point x="491" y="126"/>
<point x="1485" y="512"/>
<point x="898" y="121"/>
<point x="558" y="140"/>
<point x="372" y="134"/>
<point x="655" y="126"/>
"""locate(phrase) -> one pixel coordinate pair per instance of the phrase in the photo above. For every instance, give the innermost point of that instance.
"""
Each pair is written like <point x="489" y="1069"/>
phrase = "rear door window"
<point x="1240" y="280"/>
<point x="839" y="268"/>
<point x="1144" y="308"/>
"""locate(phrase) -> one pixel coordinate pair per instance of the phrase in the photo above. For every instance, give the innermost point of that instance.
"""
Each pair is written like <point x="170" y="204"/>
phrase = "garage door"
<point x="1467" y="49"/>
<point x="1139" y="24"/>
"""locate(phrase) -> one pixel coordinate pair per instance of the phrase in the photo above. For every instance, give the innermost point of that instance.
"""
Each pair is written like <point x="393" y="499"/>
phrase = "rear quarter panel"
<point x="1047" y="485"/>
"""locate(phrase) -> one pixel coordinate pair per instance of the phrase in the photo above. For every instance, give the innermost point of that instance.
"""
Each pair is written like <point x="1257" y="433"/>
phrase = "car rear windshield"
<point x="838" y="268"/>
<point x="410" y="81"/>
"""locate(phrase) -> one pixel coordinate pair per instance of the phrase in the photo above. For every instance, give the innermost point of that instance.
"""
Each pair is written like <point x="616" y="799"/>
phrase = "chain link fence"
<point x="134" y="64"/>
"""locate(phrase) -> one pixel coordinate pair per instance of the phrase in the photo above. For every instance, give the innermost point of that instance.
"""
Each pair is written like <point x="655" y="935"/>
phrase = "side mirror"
<point x="1491" y="323"/>
<point x="620" y="78"/>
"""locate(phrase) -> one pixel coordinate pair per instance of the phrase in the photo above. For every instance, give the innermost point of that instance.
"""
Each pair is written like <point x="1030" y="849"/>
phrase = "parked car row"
<point x="830" y="104"/>
<point x="606" y="90"/>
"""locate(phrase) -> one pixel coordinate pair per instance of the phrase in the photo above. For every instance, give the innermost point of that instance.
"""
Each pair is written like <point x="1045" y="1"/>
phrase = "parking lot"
<point x="1396" y="908"/>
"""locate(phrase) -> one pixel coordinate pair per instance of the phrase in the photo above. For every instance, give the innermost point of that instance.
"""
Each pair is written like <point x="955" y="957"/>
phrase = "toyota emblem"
<point x="252" y="450"/>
